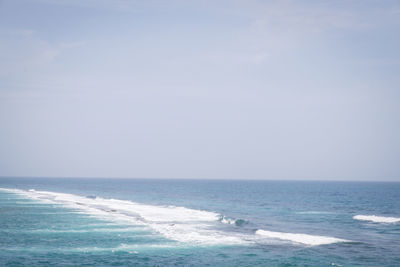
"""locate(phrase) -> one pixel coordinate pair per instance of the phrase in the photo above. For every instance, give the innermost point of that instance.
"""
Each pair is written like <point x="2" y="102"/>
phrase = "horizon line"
<point x="198" y="178"/>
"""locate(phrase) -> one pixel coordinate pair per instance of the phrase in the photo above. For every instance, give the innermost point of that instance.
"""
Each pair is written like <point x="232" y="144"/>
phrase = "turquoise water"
<point x="117" y="222"/>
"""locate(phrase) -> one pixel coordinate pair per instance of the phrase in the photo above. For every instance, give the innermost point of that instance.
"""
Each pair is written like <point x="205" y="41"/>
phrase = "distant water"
<point x="133" y="222"/>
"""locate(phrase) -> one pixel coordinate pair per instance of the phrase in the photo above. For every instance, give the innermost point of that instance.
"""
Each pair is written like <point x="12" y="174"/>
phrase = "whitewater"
<point x="377" y="219"/>
<point x="154" y="222"/>
<point x="175" y="223"/>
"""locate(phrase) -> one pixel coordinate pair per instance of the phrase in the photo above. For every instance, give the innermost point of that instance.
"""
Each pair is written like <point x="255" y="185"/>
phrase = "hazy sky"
<point x="200" y="89"/>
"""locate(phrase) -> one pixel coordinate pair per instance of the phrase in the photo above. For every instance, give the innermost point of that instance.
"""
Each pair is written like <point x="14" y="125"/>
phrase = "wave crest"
<point x="377" y="219"/>
<point x="237" y="222"/>
<point x="312" y="240"/>
<point x="175" y="223"/>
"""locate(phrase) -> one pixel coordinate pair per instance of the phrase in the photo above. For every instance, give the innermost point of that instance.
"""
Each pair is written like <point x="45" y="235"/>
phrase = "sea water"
<point x="156" y="222"/>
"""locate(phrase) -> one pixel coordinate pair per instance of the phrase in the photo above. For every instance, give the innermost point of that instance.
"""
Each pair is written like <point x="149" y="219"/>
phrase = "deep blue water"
<point x="137" y="222"/>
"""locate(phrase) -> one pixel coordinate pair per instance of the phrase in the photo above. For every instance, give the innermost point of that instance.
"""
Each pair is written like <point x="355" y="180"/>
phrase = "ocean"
<point x="159" y="222"/>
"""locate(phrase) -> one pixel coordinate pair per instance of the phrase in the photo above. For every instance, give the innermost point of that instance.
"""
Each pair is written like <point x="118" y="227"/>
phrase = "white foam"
<point x="232" y="221"/>
<point x="226" y="220"/>
<point x="377" y="219"/>
<point x="175" y="223"/>
<point x="312" y="240"/>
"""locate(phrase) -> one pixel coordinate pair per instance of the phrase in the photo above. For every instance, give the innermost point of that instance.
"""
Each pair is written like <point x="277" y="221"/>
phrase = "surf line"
<point x="176" y="223"/>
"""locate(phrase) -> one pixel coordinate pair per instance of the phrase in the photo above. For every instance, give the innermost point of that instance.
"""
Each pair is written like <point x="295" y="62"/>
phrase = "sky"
<point x="228" y="89"/>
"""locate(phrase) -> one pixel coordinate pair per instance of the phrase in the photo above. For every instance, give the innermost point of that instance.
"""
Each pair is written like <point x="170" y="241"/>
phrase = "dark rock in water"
<point x="79" y="203"/>
<point x="113" y="210"/>
<point x="91" y="196"/>
<point x="240" y="222"/>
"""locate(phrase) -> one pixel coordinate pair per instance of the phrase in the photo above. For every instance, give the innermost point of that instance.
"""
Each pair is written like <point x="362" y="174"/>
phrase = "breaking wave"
<point x="237" y="222"/>
<point x="175" y="223"/>
<point x="377" y="219"/>
<point x="312" y="240"/>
